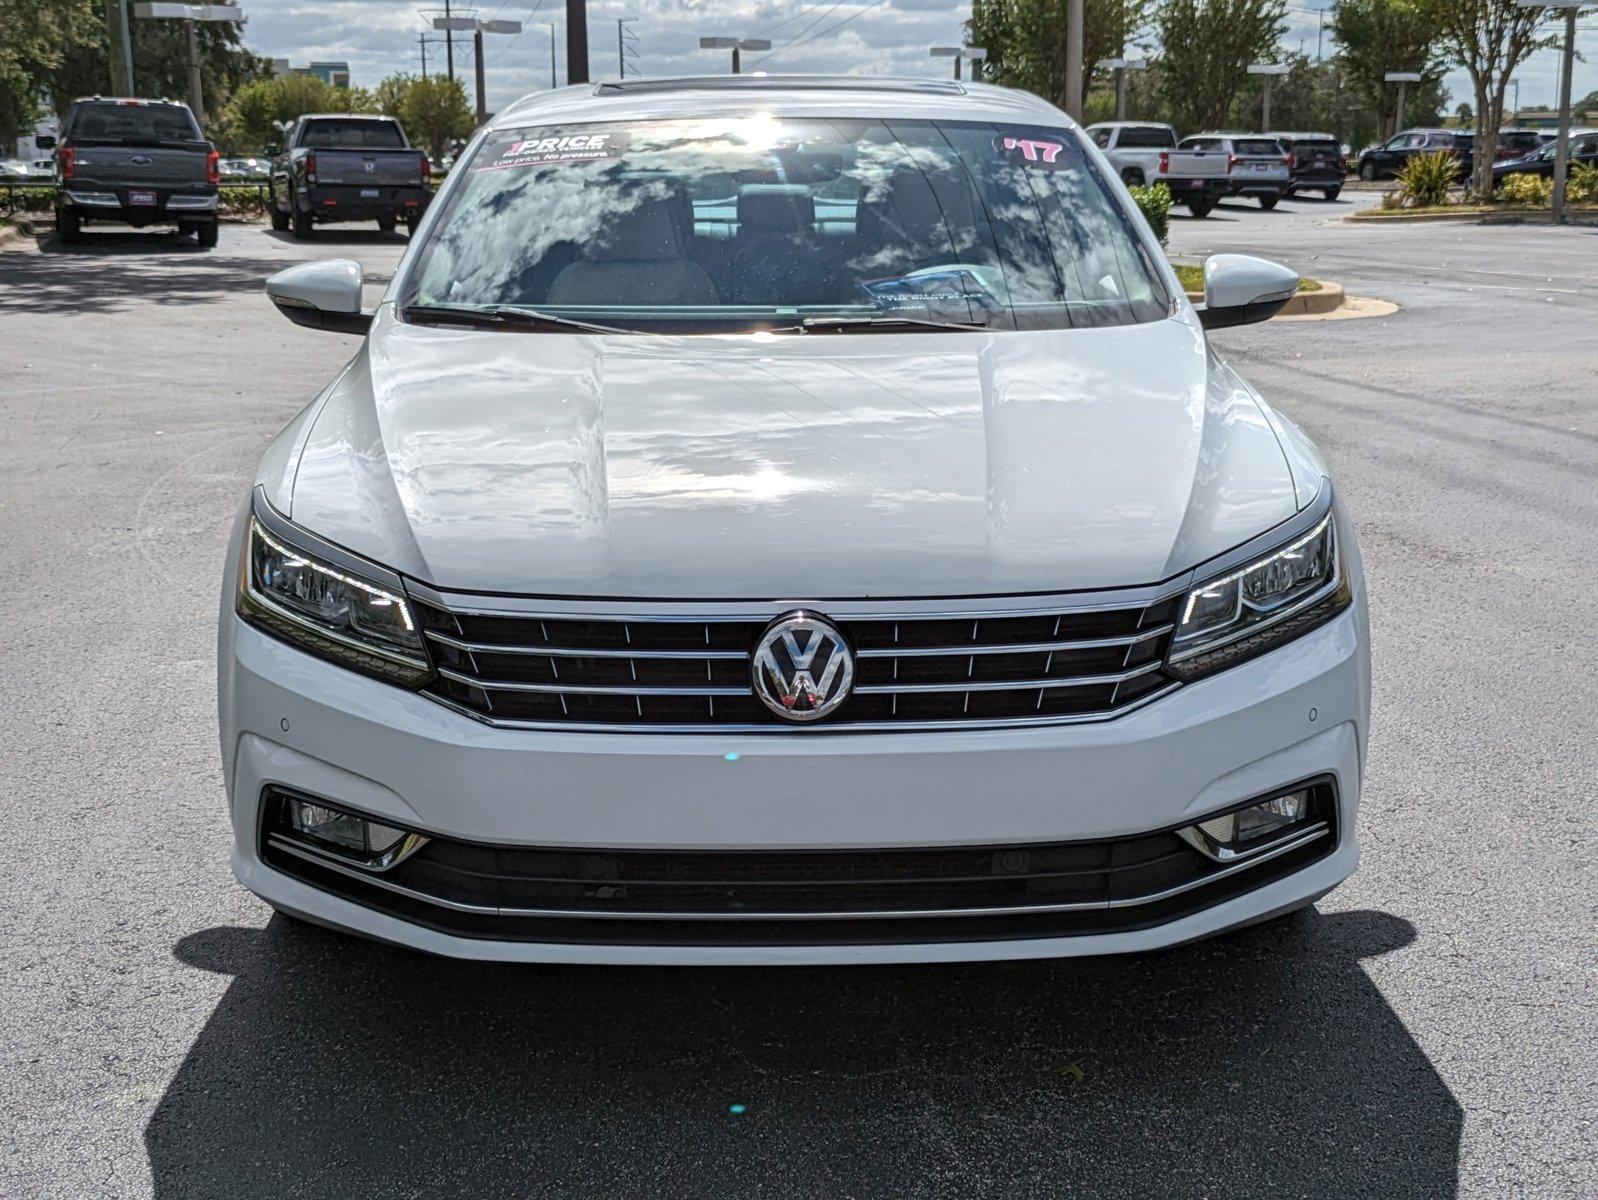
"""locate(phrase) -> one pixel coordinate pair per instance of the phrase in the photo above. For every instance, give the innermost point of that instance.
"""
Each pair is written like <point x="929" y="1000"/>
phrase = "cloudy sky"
<point x="877" y="37"/>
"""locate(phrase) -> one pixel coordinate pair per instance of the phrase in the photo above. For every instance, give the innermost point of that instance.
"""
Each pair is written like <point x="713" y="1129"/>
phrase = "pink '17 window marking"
<point x="1034" y="151"/>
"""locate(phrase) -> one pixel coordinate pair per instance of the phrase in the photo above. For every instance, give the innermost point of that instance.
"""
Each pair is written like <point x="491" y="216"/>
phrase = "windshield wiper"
<point x="847" y="324"/>
<point x="505" y="316"/>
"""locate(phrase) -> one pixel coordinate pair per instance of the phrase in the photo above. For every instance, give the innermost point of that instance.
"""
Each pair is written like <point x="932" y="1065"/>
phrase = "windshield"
<point x="364" y="135"/>
<point x="755" y="222"/>
<point x="135" y="124"/>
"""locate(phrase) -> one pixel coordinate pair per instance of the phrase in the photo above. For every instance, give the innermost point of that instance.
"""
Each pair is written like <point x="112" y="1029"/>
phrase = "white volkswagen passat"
<point x="789" y="520"/>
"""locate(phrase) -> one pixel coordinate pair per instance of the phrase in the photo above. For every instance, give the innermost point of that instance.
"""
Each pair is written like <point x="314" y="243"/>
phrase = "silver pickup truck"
<point x="347" y="167"/>
<point x="135" y="162"/>
<point x="1145" y="153"/>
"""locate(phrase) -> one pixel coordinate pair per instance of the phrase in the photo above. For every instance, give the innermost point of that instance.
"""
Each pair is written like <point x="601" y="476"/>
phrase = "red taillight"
<point x="1165" y="162"/>
<point x="213" y="167"/>
<point x="1342" y="162"/>
<point x="68" y="160"/>
<point x="427" y="171"/>
<point x="1288" y="159"/>
<point x="310" y="168"/>
<point x="1231" y="162"/>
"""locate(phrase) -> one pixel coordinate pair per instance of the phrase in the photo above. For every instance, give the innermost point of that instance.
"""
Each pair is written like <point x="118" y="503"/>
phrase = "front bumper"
<point x="295" y="722"/>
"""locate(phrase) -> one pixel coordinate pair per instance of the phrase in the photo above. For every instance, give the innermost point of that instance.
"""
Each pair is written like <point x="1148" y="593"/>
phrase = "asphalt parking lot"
<point x="1428" y="1030"/>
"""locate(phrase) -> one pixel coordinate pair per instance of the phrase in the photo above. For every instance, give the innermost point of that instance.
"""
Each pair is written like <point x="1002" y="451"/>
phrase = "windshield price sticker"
<point x="1038" y="153"/>
<point x="560" y="148"/>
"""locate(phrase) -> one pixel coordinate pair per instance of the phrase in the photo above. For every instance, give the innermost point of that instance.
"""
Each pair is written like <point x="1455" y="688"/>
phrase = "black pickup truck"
<point x="347" y="167"/>
<point x="135" y="162"/>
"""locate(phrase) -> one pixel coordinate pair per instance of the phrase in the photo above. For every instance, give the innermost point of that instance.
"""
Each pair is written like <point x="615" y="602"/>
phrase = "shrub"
<point x="243" y="200"/>
<point x="1155" y="203"/>
<point x="1426" y="178"/>
<point x="1582" y="185"/>
<point x="27" y="198"/>
<point x="1532" y="190"/>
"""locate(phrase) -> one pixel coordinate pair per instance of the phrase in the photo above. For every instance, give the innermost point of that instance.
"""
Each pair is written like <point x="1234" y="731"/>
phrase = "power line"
<point x="790" y="20"/>
<point x="834" y="28"/>
<point x="831" y="8"/>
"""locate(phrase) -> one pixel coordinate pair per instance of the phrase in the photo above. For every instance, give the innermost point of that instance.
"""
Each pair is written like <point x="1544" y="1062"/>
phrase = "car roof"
<point x="1306" y="136"/>
<point x="1130" y="125"/>
<point x="347" y="116"/>
<point x="794" y="95"/>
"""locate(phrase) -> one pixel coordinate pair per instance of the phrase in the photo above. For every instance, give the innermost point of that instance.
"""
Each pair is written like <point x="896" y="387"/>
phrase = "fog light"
<point x="341" y="829"/>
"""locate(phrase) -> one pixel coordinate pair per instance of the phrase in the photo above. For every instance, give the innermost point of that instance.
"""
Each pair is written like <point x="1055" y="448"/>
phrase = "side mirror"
<point x="1240" y="289"/>
<point x="321" y="295"/>
<point x="44" y="141"/>
<point x="273" y="149"/>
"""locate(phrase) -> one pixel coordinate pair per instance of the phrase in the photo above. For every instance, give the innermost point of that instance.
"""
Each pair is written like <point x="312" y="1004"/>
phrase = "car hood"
<point x="764" y="466"/>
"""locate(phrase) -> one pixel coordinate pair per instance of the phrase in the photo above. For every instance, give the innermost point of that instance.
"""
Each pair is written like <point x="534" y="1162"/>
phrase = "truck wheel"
<point x="206" y="234"/>
<point x="1132" y="177"/>
<point x="1268" y="202"/>
<point x="1367" y="172"/>
<point x="1333" y="193"/>
<point x="68" y="230"/>
<point x="385" y="224"/>
<point x="1200" y="206"/>
<point x="302" y="224"/>
<point x="280" y="219"/>
<point x="410" y="226"/>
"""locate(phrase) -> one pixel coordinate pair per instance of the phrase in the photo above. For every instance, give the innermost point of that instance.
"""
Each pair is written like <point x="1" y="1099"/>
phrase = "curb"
<point x="1530" y="217"/>
<point x="1328" y="299"/>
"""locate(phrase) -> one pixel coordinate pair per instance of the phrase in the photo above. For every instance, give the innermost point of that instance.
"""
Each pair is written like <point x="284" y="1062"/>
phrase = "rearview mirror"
<point x="1240" y="289"/>
<point x="44" y="141"/>
<point x="321" y="295"/>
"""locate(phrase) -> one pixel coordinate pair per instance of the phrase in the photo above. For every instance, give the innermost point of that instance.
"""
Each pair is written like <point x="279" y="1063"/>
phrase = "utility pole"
<point x="622" y="35"/>
<point x="421" y="46"/>
<point x="1073" y="60"/>
<point x="449" y="44"/>
<point x="1320" y="28"/>
<point x="553" y="82"/>
<point x="576" y="41"/>
<point x="1562" y="141"/>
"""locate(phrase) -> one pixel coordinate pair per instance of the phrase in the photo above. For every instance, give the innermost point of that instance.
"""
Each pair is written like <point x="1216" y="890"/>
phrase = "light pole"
<point x="1562" y="143"/>
<point x="477" y="29"/>
<point x="576" y="41"/>
<point x="1121" y="66"/>
<point x="735" y="45"/>
<point x="1073" y="59"/>
<point x="189" y="14"/>
<point x="553" y="82"/>
<point x="1269" y="71"/>
<point x="1403" y="79"/>
<point x="971" y="54"/>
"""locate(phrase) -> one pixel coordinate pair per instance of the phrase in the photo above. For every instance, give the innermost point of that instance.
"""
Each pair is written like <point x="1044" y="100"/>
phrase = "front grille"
<point x="694" y="673"/>
<point x="754" y="897"/>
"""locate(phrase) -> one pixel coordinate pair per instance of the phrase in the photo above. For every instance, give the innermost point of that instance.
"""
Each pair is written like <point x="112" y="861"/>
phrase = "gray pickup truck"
<point x="347" y="167"/>
<point x="135" y="162"/>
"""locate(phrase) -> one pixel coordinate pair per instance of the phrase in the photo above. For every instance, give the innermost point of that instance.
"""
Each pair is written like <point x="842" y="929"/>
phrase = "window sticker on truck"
<point x="571" y="147"/>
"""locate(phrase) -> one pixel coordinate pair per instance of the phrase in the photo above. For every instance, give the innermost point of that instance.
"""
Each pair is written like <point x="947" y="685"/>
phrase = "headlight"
<point x="1278" y="597"/>
<point x="329" y="610"/>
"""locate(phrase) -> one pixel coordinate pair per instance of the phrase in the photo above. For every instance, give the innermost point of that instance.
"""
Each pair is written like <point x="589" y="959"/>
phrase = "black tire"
<point x="68" y="229"/>
<point x="1367" y="172"/>
<point x="1333" y="193"/>
<point x="1132" y="177"/>
<point x="410" y="226"/>
<point x="207" y="234"/>
<point x="1201" y="207"/>
<point x="1268" y="202"/>
<point x="302" y="224"/>
<point x="385" y="224"/>
<point x="280" y="219"/>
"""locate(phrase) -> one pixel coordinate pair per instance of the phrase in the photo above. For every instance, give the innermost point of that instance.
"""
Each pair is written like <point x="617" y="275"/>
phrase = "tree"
<point x="1205" y="49"/>
<point x="388" y="97"/>
<point x="35" y="35"/>
<point x="434" y="111"/>
<point x="257" y="109"/>
<point x="1490" y="39"/>
<point x="1464" y="114"/>
<point x="1025" y="40"/>
<point x="1378" y="36"/>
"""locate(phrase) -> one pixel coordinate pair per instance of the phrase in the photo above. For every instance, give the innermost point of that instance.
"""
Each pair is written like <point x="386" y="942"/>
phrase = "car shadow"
<point x="1262" y="1063"/>
<point x="337" y="236"/>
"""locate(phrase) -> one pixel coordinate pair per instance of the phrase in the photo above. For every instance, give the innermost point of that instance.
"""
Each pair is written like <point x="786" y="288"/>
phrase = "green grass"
<point x="1192" y="279"/>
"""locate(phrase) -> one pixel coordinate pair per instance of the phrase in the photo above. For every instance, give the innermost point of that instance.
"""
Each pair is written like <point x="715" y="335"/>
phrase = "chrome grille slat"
<point x="531" y="664"/>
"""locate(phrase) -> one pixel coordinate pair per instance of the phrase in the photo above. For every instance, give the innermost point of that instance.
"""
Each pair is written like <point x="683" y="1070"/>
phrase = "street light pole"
<point x="949" y="52"/>
<point x="1562" y="144"/>
<point x="735" y="45"/>
<point x="477" y="29"/>
<point x="973" y="54"/>
<point x="1121" y="66"/>
<point x="1270" y="71"/>
<point x="1403" y="79"/>
<point x="189" y="14"/>
<point x="576" y="41"/>
<point x="1073" y="59"/>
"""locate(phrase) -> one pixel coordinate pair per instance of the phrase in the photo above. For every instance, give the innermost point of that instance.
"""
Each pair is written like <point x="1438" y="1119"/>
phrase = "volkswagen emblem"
<point x="802" y="668"/>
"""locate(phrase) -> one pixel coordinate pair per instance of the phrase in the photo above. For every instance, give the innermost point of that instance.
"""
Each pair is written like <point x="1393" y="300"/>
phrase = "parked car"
<point x="1319" y="163"/>
<point x="1259" y="166"/>
<point x="246" y="169"/>
<point x="1583" y="150"/>
<point x="134" y="162"/>
<point x="1146" y="153"/>
<point x="1071" y="651"/>
<point x="1387" y="160"/>
<point x="347" y="167"/>
<point x="13" y="170"/>
<point x="1512" y="144"/>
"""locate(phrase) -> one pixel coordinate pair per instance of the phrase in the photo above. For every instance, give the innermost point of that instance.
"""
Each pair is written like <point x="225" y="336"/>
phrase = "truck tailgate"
<point x="1195" y="164"/>
<point x="164" y="166"/>
<point x="369" y="168"/>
